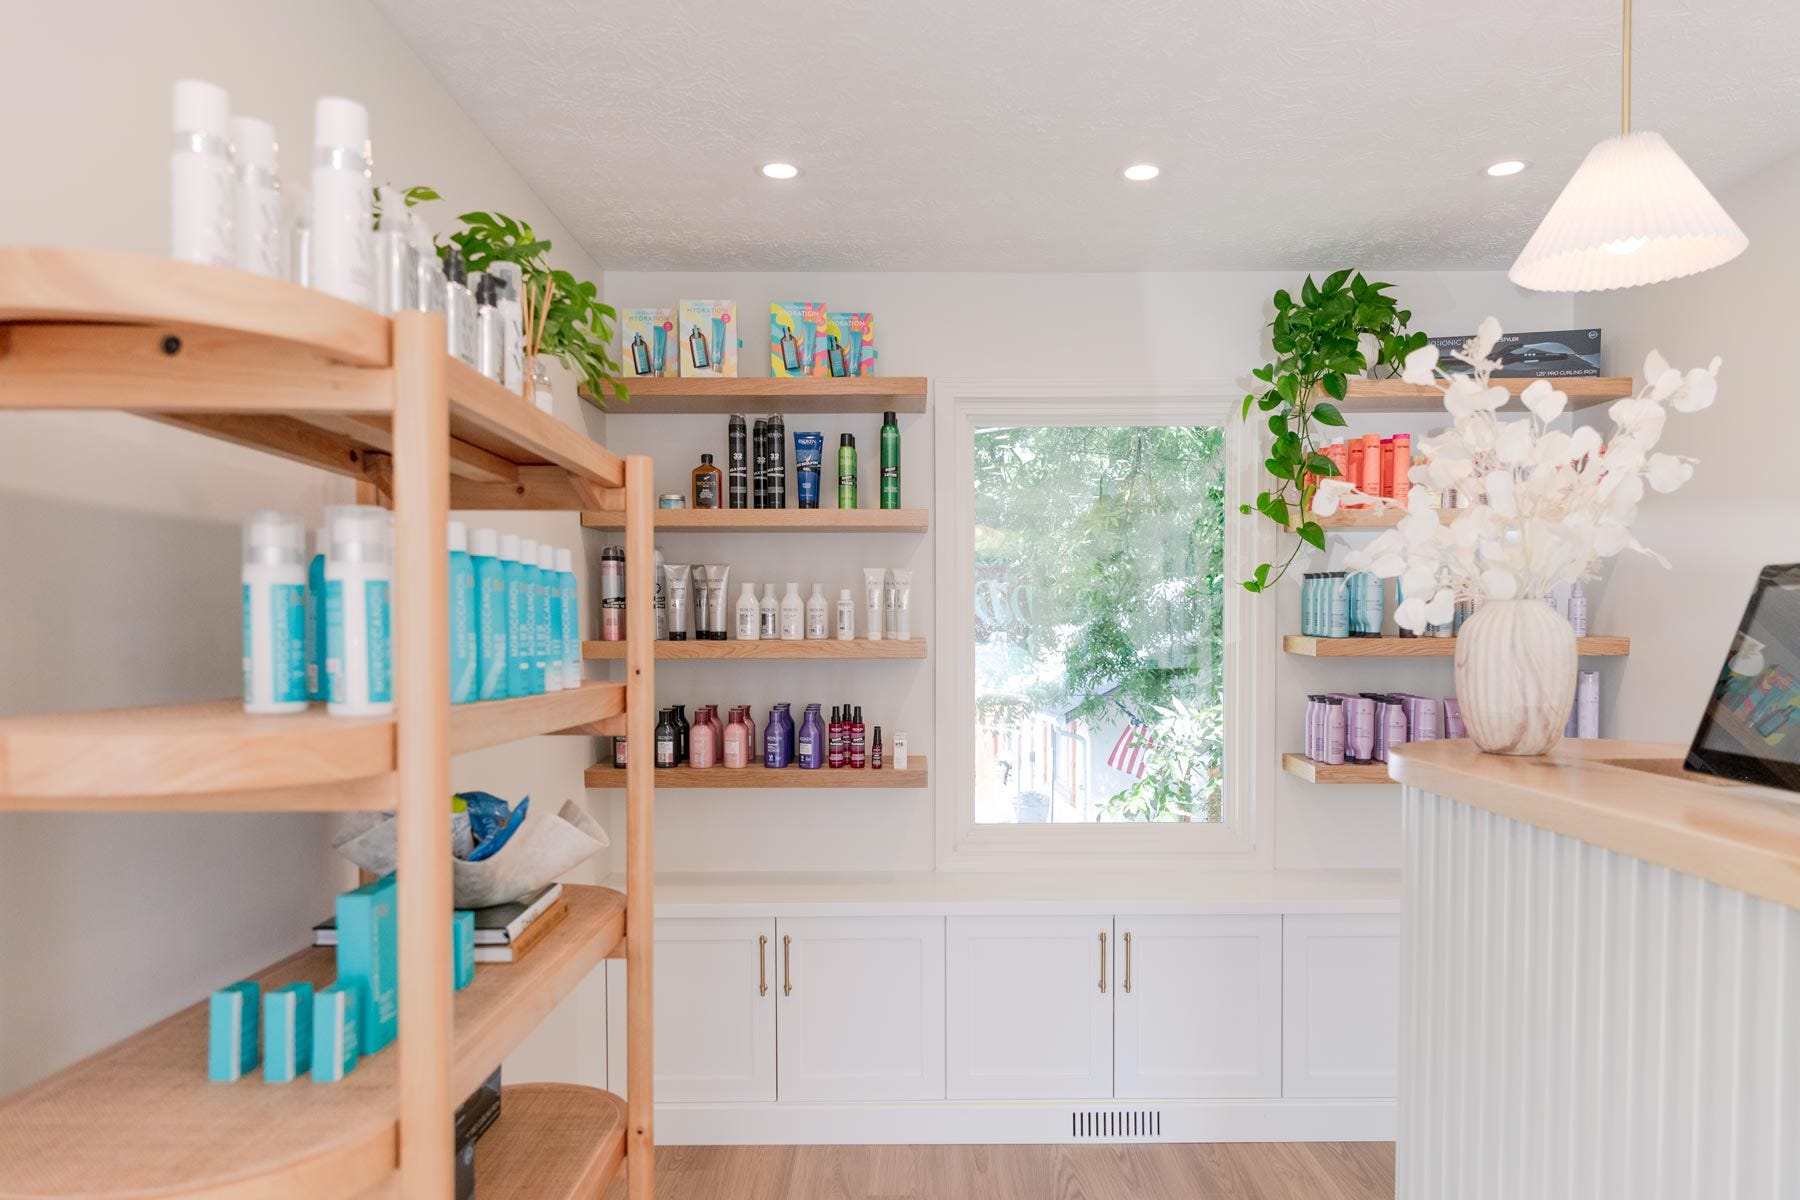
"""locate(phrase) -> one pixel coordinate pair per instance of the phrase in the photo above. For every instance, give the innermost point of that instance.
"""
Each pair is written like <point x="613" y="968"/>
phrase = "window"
<point x="1099" y="558"/>
<point x="1098" y="694"/>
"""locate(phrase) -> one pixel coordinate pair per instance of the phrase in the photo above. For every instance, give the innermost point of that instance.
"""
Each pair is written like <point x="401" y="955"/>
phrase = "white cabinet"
<point x="861" y="1008"/>
<point x="1340" y="1005"/>
<point x="1029" y="1007"/>
<point x="715" y="1009"/>
<point x="1197" y="1013"/>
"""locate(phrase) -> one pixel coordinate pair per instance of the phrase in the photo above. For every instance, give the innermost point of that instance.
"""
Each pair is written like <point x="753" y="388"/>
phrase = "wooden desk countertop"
<point x="1632" y="798"/>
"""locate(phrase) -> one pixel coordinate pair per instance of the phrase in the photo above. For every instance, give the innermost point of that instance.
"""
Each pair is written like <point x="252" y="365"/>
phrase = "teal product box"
<point x="368" y="956"/>
<point x="287" y="1032"/>
<point x="849" y="344"/>
<point x="334" y="1031"/>
<point x="462" y="947"/>
<point x="796" y="338"/>
<point x="231" y="1031"/>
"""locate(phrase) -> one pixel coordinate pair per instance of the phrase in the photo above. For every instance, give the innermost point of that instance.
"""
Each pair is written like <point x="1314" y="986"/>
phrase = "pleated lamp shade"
<point x="1633" y="214"/>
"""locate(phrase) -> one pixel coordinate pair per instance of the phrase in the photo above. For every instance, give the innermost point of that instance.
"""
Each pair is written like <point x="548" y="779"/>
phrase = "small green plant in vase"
<point x="1342" y="328"/>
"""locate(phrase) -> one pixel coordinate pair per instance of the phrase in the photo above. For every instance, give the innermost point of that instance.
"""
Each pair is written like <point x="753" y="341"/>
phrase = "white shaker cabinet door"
<point x="715" y="1009"/>
<point x="1340" y="1006"/>
<point x="861" y="1004"/>
<point x="1198" y="1010"/>
<point x="1029" y="1007"/>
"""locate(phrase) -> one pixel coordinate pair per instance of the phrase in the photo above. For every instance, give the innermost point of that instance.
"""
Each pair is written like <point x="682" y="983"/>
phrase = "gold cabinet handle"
<point x="762" y="964"/>
<point x="787" y="965"/>
<point x="1127" y="982"/>
<point x="1103" y="964"/>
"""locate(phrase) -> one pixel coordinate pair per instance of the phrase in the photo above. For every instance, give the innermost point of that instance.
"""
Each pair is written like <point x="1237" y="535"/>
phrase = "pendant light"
<point x="1633" y="213"/>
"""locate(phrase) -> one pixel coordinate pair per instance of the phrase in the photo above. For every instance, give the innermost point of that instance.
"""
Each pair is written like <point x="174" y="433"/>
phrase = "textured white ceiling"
<point x="989" y="135"/>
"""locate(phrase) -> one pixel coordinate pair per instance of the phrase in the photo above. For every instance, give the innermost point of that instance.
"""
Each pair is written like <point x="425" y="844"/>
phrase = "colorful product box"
<point x="231" y="1031"/>
<point x="1550" y="354"/>
<point x="462" y="943"/>
<point x="796" y="338"/>
<point x="708" y="339"/>
<point x="849" y="344"/>
<point x="334" y="1031"/>
<point x="368" y="956"/>
<point x="648" y="343"/>
<point x="287" y="1032"/>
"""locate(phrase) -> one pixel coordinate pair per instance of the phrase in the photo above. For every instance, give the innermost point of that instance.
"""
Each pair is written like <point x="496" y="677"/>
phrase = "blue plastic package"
<point x="809" y="454"/>
<point x="492" y="822"/>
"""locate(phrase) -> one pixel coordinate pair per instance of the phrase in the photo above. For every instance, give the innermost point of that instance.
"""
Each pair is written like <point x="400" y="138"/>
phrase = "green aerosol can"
<point x="847" y="471"/>
<point x="890" y="461"/>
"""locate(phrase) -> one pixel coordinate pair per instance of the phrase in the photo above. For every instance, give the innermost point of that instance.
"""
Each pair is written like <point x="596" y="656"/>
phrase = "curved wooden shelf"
<point x="1318" y="772"/>
<point x="1424" y="647"/>
<point x="605" y="775"/>
<point x="553" y="1141"/>
<point x="1393" y="396"/>
<point x="763" y="649"/>
<point x="776" y="520"/>
<point x="806" y="395"/>
<point x="213" y="756"/>
<point x="140" y="1119"/>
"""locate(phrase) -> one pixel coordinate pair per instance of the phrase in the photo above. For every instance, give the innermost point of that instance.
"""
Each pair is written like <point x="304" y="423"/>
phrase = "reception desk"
<point x="1600" y="978"/>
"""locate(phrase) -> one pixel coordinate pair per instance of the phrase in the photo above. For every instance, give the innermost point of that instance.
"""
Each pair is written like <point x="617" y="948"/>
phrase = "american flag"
<point x="1132" y="749"/>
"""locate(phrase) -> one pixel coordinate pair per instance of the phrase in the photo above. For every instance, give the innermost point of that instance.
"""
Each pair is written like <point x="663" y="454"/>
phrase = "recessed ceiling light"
<point x="1511" y="166"/>
<point x="1142" y="172"/>
<point x="780" y="170"/>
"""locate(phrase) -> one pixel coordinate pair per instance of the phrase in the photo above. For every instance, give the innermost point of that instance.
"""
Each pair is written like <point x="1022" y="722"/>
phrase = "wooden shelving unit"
<point x="605" y="775"/>
<point x="1318" y="772"/>
<point x="266" y="364"/>
<point x="1423" y="647"/>
<point x="777" y="520"/>
<point x="553" y="1141"/>
<point x="1373" y="396"/>
<point x="807" y="396"/>
<point x="728" y="651"/>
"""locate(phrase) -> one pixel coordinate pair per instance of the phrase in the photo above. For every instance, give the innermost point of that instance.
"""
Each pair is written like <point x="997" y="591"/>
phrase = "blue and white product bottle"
<point x="1340" y="605"/>
<point x="274" y="599"/>
<point x="256" y="220"/>
<point x="531" y="616"/>
<point x="550" y="619"/>
<point x="464" y="655"/>
<point x="343" y="202"/>
<point x="359" y="573"/>
<point x="571" y="618"/>
<point x="490" y="614"/>
<point x="518" y="624"/>
<point x="202" y="180"/>
<point x="315" y="620"/>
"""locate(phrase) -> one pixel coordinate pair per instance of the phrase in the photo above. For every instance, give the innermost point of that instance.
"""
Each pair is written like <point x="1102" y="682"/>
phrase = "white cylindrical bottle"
<point x="256" y="225"/>
<point x="550" y="624"/>
<point x="1578" y="609"/>
<point x="748" y="624"/>
<point x="359" y="571"/>
<point x="817" y="613"/>
<point x="343" y="198"/>
<point x="793" y="614"/>
<point x="274" y="598"/>
<point x="202" y="181"/>
<point x="768" y="613"/>
<point x="846" y="616"/>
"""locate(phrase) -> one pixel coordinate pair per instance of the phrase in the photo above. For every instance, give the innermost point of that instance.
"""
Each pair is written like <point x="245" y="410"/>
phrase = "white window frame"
<point x="1244" y="837"/>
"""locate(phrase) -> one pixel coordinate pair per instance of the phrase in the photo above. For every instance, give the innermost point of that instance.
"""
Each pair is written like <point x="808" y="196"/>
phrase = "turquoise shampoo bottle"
<point x="462" y="615"/>
<point x="490" y="615"/>
<point x="571" y="647"/>
<point x="518" y="618"/>
<point x="315" y="620"/>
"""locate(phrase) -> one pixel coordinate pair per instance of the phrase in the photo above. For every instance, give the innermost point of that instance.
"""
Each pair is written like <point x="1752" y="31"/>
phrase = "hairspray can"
<point x="759" y="464"/>
<point x="737" y="474"/>
<point x="775" y="493"/>
<point x="612" y="594"/>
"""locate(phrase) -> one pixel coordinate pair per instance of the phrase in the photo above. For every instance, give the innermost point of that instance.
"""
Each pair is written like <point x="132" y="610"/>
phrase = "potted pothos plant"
<point x="562" y="317"/>
<point x="1342" y="328"/>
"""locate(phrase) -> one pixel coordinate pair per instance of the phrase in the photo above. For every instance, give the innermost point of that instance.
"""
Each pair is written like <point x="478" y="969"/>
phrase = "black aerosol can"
<point x="759" y="474"/>
<point x="775" y="492"/>
<point x="737" y="465"/>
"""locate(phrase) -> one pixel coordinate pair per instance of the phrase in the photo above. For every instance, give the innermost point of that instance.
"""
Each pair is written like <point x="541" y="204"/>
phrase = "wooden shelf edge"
<point x="553" y="1141"/>
<point x="811" y="650"/>
<point x="606" y="776"/>
<point x="496" y="722"/>
<point x="1308" y="646"/>
<point x="775" y="520"/>
<point x="1347" y="773"/>
<point x="1371" y="396"/>
<point x="809" y="394"/>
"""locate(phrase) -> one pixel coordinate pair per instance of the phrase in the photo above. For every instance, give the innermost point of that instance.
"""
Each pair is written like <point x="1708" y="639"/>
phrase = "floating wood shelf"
<point x="141" y="1119"/>
<point x="553" y="1141"/>
<point x="827" y="648"/>
<point x="1378" y="518"/>
<point x="605" y="775"/>
<point x="1370" y="396"/>
<point x="1318" y="772"/>
<point x="215" y="756"/>
<point x="1424" y="647"/>
<point x="795" y="397"/>
<point x="777" y="520"/>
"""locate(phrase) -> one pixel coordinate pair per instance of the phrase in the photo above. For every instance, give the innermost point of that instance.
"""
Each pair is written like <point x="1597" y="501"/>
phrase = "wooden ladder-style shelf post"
<point x="640" y="789"/>
<point x="420" y="623"/>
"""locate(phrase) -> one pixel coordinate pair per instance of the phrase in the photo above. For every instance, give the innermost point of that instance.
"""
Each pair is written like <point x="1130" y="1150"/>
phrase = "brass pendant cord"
<point x="1625" y="84"/>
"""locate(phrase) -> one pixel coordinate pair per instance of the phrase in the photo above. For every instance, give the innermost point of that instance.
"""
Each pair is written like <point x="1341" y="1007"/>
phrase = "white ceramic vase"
<point x="1515" y="676"/>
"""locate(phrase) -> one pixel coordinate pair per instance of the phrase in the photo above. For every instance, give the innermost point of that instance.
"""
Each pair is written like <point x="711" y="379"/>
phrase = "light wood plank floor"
<point x="1211" y="1171"/>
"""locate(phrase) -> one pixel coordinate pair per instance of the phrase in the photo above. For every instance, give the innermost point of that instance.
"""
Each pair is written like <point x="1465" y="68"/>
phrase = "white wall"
<point x="121" y="537"/>
<point x="1159" y="327"/>
<point x="1741" y="511"/>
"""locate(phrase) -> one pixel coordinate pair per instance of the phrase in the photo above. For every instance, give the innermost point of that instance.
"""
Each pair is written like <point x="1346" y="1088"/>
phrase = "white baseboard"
<point x="1027" y="1122"/>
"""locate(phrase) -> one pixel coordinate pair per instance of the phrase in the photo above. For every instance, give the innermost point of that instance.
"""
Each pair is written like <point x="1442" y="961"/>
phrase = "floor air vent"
<point x="1115" y="1125"/>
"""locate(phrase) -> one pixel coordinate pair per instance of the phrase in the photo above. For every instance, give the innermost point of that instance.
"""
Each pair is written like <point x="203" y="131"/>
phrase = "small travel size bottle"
<point x="859" y="751"/>
<point x="875" y="751"/>
<point x="834" y="357"/>
<point x="709" y="483"/>
<point x="698" y="352"/>
<point x="640" y="354"/>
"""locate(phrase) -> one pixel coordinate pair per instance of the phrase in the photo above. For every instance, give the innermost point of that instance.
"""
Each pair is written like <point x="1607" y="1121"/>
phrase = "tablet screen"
<point x="1751" y="727"/>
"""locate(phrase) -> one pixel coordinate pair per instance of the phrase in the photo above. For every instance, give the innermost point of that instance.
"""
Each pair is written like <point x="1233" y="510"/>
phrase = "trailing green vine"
<point x="1319" y="343"/>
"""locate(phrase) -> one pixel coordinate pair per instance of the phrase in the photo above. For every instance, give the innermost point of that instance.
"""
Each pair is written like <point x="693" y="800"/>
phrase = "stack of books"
<point x="504" y="933"/>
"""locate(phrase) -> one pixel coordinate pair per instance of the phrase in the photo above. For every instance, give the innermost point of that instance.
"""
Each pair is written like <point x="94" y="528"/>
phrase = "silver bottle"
<point x="490" y="340"/>
<point x="459" y="308"/>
